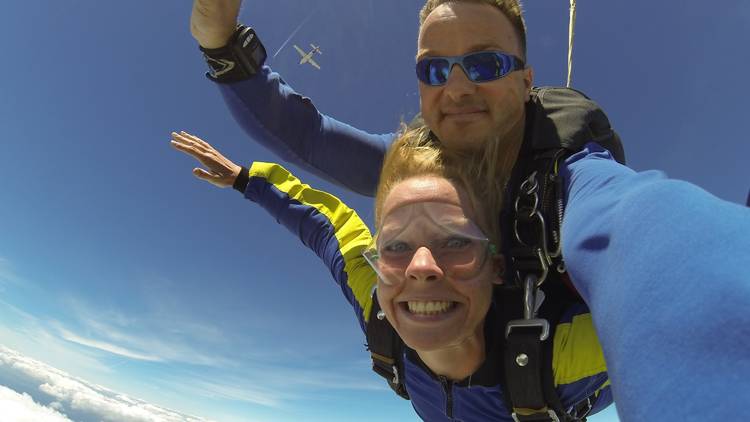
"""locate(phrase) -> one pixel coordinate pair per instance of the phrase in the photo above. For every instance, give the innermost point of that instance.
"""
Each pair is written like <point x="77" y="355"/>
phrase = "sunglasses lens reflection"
<point x="486" y="66"/>
<point x="433" y="71"/>
<point x="483" y="66"/>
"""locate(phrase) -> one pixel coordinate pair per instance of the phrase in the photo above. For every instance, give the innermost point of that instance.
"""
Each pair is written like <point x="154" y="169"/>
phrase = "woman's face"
<point x="431" y="302"/>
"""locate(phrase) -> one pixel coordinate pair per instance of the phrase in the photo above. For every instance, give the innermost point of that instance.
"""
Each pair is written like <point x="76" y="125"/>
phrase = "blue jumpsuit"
<point x="661" y="263"/>
<point x="338" y="236"/>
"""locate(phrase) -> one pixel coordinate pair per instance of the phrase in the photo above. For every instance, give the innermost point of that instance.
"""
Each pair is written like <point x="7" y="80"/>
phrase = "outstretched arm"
<point x="288" y="124"/>
<point x="320" y="220"/>
<point x="663" y="266"/>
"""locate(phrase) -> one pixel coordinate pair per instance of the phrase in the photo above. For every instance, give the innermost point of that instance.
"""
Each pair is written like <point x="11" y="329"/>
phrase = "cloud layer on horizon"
<point x="20" y="407"/>
<point x="60" y="397"/>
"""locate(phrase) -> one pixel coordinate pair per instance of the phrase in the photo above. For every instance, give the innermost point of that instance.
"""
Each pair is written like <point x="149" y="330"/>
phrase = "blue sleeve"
<point x="288" y="124"/>
<point x="663" y="266"/>
<point x="324" y="224"/>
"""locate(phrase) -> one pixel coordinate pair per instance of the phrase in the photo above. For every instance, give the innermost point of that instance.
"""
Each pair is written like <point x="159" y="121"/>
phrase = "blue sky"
<point x="121" y="269"/>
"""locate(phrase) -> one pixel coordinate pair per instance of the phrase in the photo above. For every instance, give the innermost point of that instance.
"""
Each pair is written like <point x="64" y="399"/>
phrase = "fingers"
<point x="205" y="174"/>
<point x="190" y="143"/>
<point x="195" y="147"/>
<point x="215" y="179"/>
<point x="198" y="141"/>
<point x="187" y="149"/>
<point x="221" y="171"/>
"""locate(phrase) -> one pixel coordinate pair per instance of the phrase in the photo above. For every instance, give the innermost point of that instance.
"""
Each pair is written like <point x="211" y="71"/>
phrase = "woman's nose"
<point x="423" y="266"/>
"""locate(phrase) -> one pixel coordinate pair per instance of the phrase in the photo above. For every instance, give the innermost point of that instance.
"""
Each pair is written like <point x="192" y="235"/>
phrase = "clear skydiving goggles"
<point x="479" y="66"/>
<point x="455" y="243"/>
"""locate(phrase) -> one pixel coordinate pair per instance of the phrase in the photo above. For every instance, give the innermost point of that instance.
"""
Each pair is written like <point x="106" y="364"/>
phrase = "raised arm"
<point x="285" y="122"/>
<point x="663" y="266"/>
<point x="321" y="221"/>
<point x="288" y="124"/>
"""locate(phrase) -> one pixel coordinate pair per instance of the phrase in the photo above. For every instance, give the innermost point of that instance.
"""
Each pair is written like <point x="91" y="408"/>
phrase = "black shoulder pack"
<point x="566" y="118"/>
<point x="559" y="122"/>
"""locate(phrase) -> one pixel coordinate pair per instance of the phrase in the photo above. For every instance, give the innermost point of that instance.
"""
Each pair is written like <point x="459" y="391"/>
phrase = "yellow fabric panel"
<point x="577" y="353"/>
<point x="352" y="233"/>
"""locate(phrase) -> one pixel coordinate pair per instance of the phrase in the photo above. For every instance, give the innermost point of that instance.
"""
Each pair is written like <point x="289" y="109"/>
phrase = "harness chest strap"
<point x="538" y="396"/>
<point x="557" y="119"/>
<point x="527" y="361"/>
<point x="536" y="257"/>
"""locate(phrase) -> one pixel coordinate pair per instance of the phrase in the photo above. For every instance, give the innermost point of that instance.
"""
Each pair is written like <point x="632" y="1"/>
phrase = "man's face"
<point x="430" y="309"/>
<point x="464" y="114"/>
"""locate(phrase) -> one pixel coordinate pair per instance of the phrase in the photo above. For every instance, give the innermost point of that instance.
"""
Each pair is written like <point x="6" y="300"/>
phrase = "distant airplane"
<point x="308" y="57"/>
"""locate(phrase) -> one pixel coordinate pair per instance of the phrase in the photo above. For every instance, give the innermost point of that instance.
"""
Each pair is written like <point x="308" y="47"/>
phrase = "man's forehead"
<point x="473" y="26"/>
<point x="480" y="44"/>
<point x="467" y="12"/>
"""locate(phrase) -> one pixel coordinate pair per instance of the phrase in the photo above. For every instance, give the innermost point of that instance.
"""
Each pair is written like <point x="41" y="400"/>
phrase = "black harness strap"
<point x="559" y="121"/>
<point x="537" y="261"/>
<point x="529" y="381"/>
<point x="529" y="390"/>
<point x="386" y="349"/>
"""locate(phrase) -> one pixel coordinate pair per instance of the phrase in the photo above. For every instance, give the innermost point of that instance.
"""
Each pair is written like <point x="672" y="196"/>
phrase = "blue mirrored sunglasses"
<point x="482" y="66"/>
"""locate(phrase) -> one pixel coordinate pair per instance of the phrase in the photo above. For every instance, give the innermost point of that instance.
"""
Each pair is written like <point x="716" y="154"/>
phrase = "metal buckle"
<point x="529" y="310"/>
<point x="551" y="413"/>
<point x="529" y="323"/>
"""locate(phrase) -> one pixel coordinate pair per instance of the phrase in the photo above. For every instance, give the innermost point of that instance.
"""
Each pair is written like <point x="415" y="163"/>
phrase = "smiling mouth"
<point x="464" y="115"/>
<point x="464" y="111"/>
<point x="429" y="308"/>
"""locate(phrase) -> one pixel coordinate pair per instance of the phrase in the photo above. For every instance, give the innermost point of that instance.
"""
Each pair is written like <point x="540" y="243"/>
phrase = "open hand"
<point x="221" y="172"/>
<point x="213" y="21"/>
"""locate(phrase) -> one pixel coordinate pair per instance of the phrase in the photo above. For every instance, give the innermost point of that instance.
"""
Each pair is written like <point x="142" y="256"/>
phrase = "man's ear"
<point x="528" y="80"/>
<point x="498" y="269"/>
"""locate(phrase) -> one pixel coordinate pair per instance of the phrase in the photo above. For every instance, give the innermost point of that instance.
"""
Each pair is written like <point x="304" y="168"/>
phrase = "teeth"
<point x="429" y="308"/>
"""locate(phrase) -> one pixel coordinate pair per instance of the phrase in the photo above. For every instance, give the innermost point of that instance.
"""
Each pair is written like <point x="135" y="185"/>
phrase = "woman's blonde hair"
<point x="482" y="174"/>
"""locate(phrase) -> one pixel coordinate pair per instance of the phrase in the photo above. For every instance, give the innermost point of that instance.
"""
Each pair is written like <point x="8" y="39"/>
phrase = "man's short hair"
<point x="510" y="8"/>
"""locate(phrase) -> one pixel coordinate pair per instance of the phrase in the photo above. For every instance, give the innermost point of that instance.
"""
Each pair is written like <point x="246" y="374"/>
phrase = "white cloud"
<point x="249" y="394"/>
<point x="76" y="396"/>
<point x="107" y="347"/>
<point x="22" y="408"/>
<point x="275" y="386"/>
<point x="165" y="337"/>
<point x="169" y="339"/>
<point x="24" y="331"/>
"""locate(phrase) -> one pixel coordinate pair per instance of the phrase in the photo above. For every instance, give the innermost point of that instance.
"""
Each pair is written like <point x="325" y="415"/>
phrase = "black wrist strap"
<point x="240" y="183"/>
<point x="240" y="59"/>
